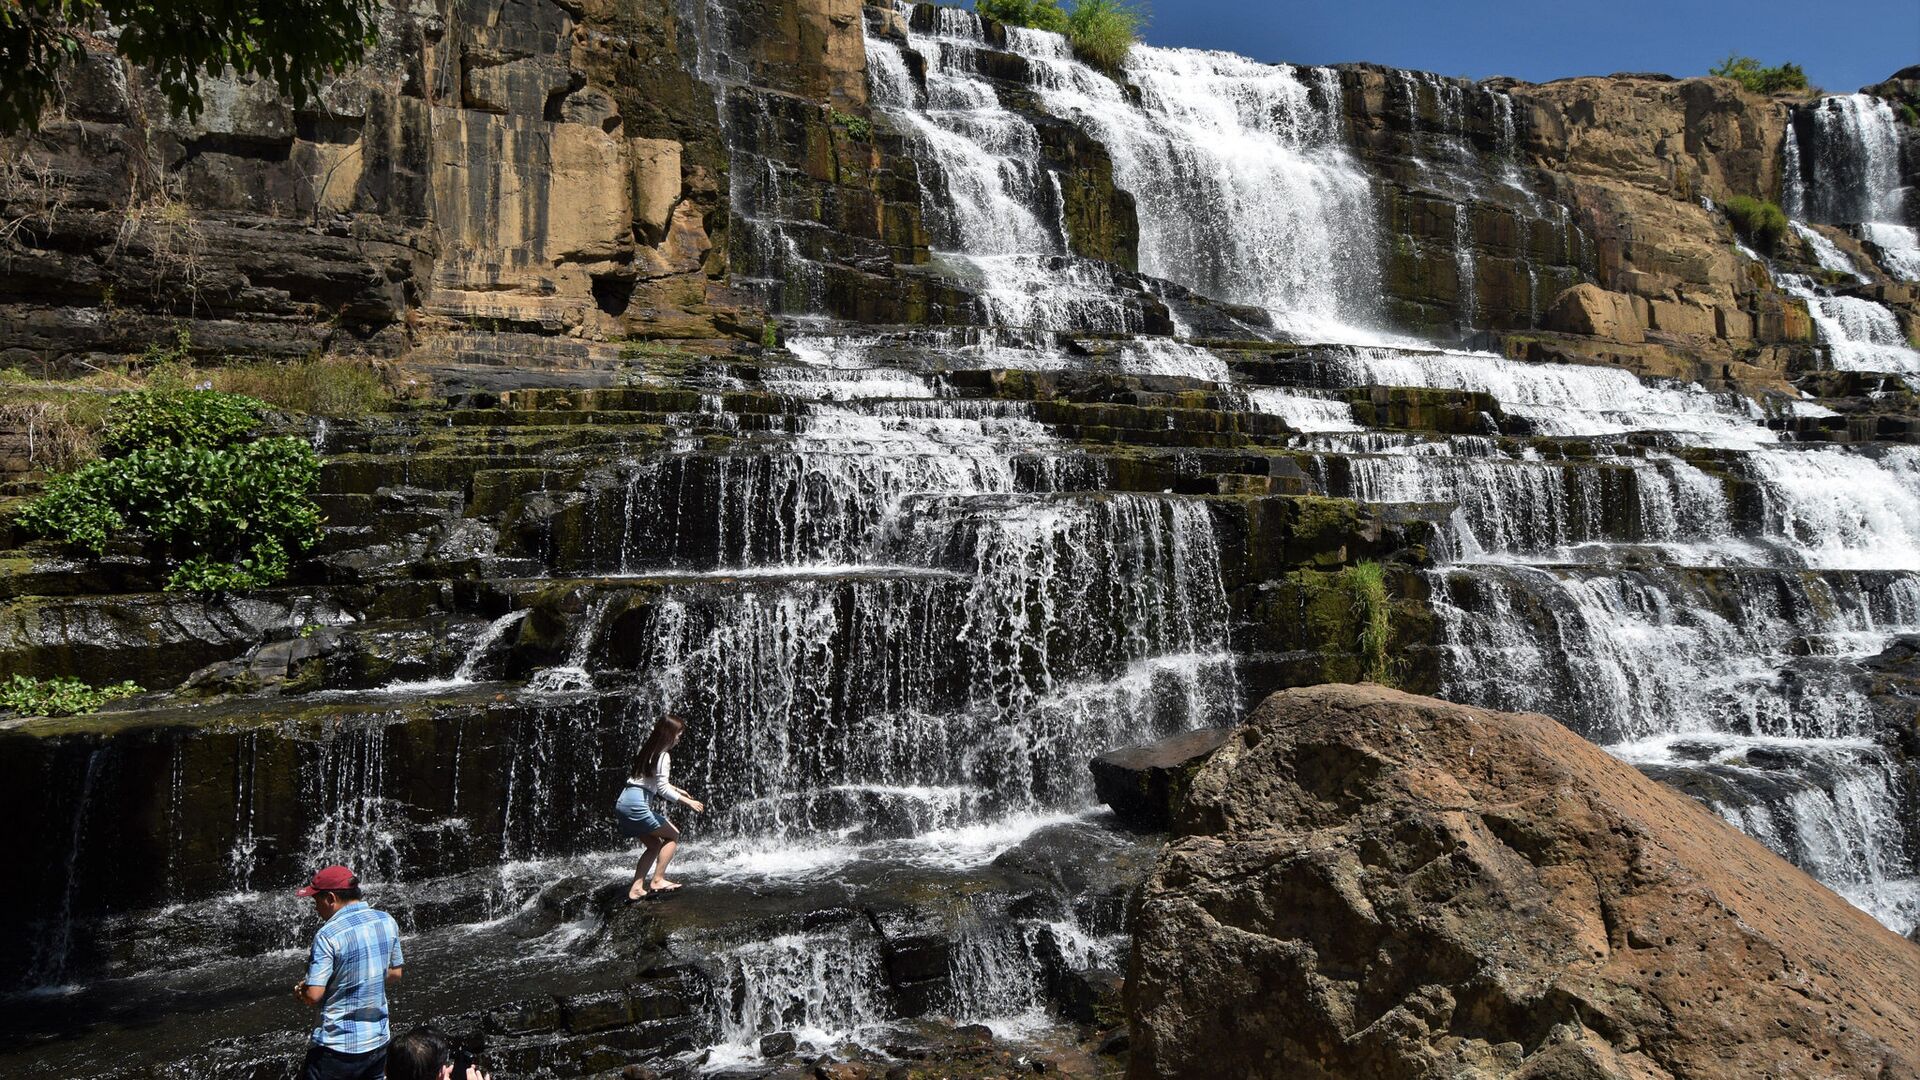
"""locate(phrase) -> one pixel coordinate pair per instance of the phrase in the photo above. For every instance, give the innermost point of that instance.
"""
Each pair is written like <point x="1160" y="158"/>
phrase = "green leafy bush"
<point x="181" y="471"/>
<point x="1037" y="14"/>
<point x="1372" y="614"/>
<point x="1758" y="78"/>
<point x="1761" y="223"/>
<point x="858" y="127"/>
<point x="178" y="418"/>
<point x="1103" y="32"/>
<point x="59" y="697"/>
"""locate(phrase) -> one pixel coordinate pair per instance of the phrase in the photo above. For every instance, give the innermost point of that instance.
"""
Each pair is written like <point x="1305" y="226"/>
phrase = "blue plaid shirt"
<point x="351" y="955"/>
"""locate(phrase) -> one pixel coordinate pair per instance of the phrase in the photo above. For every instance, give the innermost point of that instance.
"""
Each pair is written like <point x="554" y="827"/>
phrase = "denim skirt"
<point x="638" y="813"/>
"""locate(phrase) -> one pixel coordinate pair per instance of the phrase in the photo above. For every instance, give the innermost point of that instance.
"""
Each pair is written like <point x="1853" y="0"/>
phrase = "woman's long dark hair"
<point x="665" y="731"/>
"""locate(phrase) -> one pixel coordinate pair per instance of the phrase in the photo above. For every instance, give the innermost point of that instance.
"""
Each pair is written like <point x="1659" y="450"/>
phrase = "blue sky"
<point x="1842" y="45"/>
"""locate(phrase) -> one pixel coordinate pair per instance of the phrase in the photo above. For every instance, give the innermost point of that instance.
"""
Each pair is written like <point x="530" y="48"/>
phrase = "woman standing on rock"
<point x="641" y="809"/>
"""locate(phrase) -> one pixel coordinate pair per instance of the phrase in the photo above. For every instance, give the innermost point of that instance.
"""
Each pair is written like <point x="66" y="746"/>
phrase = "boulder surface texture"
<point x="1372" y="884"/>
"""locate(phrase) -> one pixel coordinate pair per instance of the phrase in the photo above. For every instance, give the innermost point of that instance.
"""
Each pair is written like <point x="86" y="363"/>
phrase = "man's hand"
<point x="310" y="995"/>
<point x="696" y="806"/>
<point x="474" y="1073"/>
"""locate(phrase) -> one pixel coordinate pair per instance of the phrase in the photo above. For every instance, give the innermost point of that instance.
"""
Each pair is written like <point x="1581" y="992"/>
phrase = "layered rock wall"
<point x="521" y="164"/>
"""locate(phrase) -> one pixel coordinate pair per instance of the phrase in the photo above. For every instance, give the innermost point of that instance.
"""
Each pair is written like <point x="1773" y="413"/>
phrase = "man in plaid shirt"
<point x="355" y="954"/>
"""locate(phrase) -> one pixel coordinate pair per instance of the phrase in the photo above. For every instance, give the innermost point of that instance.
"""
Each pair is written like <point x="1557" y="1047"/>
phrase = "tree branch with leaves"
<point x="295" y="43"/>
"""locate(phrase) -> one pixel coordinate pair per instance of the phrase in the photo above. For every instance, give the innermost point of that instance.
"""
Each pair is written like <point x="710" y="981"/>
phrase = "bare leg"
<point x="639" y="889"/>
<point x="669" y="838"/>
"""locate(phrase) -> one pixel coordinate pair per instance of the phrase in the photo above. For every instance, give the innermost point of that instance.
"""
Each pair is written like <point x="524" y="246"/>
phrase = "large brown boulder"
<point x="1378" y="885"/>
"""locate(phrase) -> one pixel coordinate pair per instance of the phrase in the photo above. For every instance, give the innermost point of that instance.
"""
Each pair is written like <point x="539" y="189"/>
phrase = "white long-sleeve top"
<point x="656" y="782"/>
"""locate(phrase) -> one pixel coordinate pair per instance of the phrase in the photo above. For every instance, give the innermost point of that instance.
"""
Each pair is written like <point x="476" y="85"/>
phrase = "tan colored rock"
<point x="814" y="48"/>
<point x="520" y="85"/>
<point x="656" y="184"/>
<point x="1677" y="318"/>
<point x="588" y="203"/>
<point x="1372" y="884"/>
<point x="336" y="169"/>
<point x="1589" y="309"/>
<point x="1732" y="323"/>
<point x="1683" y="138"/>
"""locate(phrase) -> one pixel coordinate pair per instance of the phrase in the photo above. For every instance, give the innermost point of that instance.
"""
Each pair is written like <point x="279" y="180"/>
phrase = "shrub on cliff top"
<point x="181" y="470"/>
<point x="1761" y="223"/>
<point x="1037" y="14"/>
<point x="1103" y="32"/>
<point x="1758" y="78"/>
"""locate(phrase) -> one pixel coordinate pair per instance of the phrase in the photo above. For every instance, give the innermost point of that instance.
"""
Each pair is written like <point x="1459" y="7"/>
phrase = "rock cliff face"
<point x="1374" y="884"/>
<point x="517" y="164"/>
<point x="610" y="171"/>
<point x="1594" y="180"/>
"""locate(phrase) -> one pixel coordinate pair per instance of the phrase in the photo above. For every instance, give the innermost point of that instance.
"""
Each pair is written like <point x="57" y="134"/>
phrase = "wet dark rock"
<point x="271" y="664"/>
<point x="1085" y="996"/>
<point x="596" y="1012"/>
<point x="525" y="1018"/>
<point x="778" y="1044"/>
<point x="1891" y="681"/>
<point x="1145" y="784"/>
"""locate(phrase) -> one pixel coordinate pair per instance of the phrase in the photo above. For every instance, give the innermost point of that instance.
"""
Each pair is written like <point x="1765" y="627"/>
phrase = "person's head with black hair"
<point x="425" y="1053"/>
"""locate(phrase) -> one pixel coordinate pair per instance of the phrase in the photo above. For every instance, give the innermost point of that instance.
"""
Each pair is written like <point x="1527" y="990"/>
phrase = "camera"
<point x="464" y="1059"/>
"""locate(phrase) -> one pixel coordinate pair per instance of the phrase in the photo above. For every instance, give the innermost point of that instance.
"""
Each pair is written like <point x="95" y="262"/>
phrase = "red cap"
<point x="331" y="879"/>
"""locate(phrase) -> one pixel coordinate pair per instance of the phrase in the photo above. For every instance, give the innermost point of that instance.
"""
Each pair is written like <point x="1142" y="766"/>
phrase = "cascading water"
<point x="1844" y="162"/>
<point x="1842" y="168"/>
<point x="1245" y="188"/>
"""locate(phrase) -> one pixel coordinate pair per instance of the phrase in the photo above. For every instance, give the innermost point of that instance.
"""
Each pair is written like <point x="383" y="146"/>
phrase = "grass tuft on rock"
<point x="1760" y="223"/>
<point x="1103" y="32"/>
<point x="317" y="386"/>
<point x="1372" y="615"/>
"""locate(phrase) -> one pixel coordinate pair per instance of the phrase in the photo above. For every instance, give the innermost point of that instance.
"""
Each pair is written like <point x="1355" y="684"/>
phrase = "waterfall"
<point x="1844" y="162"/>
<point x="1842" y="167"/>
<point x="355" y="824"/>
<point x="1079" y="624"/>
<point x="823" y="986"/>
<point x="1559" y="399"/>
<point x="1245" y="189"/>
<point x="987" y="193"/>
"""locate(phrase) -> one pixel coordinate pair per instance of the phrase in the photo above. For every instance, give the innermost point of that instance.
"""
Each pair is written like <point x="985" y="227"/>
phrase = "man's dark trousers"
<point x="325" y="1064"/>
